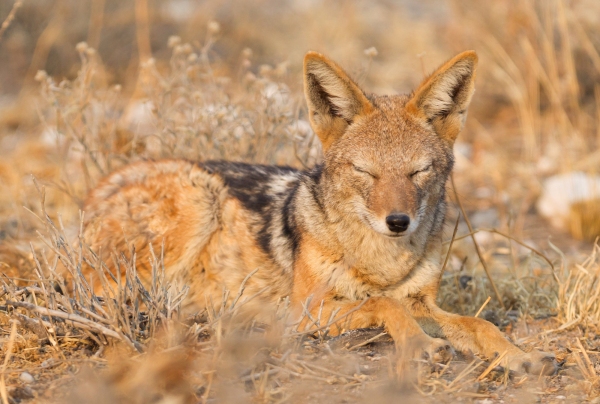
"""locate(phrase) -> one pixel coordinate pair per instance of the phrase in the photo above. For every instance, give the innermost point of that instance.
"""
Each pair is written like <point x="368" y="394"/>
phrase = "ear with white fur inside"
<point x="443" y="98"/>
<point x="334" y="100"/>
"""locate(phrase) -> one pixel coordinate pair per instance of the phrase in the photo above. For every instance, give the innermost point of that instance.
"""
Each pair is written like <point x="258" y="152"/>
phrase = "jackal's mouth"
<point x="395" y="235"/>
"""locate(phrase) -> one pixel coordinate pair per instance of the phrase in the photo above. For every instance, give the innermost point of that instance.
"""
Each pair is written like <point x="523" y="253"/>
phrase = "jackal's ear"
<point x="442" y="99"/>
<point x="334" y="100"/>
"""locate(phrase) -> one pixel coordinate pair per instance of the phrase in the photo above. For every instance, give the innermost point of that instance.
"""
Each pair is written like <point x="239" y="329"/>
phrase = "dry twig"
<point x="10" y="17"/>
<point x="477" y="249"/>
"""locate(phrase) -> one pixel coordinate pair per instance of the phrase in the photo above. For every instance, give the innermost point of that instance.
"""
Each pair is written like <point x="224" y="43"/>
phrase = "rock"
<point x="563" y="197"/>
<point x="26" y="378"/>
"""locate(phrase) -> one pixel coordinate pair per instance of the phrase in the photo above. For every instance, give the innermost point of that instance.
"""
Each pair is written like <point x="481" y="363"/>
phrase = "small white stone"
<point x="561" y="191"/>
<point x="47" y="363"/>
<point x="26" y="378"/>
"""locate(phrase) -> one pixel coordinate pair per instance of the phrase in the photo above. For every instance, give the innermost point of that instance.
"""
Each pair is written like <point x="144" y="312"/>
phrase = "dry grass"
<point x="206" y="94"/>
<point x="539" y="58"/>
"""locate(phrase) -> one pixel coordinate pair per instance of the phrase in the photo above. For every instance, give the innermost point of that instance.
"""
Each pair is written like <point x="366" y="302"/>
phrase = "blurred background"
<point x="86" y="86"/>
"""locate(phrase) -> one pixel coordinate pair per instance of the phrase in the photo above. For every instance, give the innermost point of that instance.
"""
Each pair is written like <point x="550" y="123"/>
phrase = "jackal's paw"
<point x="436" y="350"/>
<point x="534" y="362"/>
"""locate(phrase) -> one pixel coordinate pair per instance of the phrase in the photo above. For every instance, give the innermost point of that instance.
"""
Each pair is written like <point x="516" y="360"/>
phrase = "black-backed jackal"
<point x="362" y="228"/>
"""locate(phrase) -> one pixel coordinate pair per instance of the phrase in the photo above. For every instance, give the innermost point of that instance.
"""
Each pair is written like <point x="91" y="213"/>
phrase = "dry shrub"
<point x="578" y="300"/>
<point x="578" y="309"/>
<point x="188" y="112"/>
<point x="201" y="99"/>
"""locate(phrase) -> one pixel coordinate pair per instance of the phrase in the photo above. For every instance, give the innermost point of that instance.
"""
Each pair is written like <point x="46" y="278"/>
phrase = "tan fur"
<point x="321" y="235"/>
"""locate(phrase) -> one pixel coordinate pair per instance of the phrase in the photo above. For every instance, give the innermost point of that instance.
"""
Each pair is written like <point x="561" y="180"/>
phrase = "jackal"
<point x="360" y="233"/>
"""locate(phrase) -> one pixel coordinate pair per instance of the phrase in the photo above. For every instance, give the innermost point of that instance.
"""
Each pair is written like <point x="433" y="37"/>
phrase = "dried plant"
<point x="205" y="95"/>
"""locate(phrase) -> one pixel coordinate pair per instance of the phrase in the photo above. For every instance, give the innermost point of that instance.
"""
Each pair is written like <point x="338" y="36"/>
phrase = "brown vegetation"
<point x="231" y="89"/>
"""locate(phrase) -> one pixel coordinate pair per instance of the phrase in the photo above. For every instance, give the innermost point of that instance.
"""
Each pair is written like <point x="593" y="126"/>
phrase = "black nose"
<point x="398" y="222"/>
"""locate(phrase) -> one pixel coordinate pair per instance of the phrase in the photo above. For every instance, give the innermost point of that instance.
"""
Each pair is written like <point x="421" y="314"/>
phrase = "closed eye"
<point x="363" y="171"/>
<point x="421" y="170"/>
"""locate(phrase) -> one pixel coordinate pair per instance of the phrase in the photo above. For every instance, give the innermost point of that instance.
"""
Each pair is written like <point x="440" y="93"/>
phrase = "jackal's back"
<point x="218" y="221"/>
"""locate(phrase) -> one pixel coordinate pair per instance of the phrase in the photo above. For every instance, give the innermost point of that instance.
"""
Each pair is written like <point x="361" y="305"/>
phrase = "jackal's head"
<point x="387" y="158"/>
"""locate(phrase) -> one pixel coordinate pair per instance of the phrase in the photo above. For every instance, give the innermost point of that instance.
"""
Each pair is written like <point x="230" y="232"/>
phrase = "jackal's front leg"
<point x="410" y="339"/>
<point x="478" y="336"/>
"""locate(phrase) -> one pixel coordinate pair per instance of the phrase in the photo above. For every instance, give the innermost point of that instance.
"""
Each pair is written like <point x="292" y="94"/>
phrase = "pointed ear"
<point x="334" y="100"/>
<point x="443" y="98"/>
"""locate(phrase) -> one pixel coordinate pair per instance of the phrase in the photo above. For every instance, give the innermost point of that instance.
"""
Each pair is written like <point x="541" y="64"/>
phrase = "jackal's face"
<point x="387" y="159"/>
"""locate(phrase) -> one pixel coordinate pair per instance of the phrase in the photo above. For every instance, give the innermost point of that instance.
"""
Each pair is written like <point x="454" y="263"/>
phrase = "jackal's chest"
<point x="397" y="276"/>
